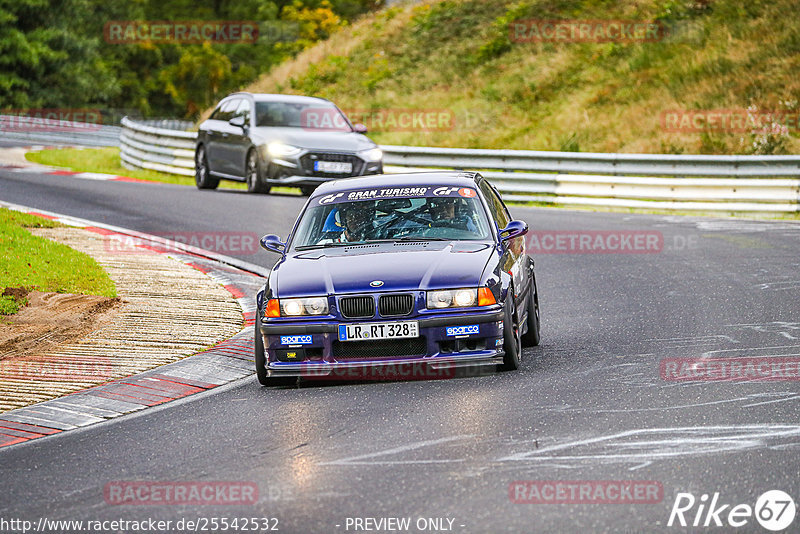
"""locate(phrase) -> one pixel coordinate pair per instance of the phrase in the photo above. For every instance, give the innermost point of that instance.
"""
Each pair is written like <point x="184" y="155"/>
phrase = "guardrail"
<point x="671" y="182"/>
<point x="148" y="147"/>
<point x="14" y="128"/>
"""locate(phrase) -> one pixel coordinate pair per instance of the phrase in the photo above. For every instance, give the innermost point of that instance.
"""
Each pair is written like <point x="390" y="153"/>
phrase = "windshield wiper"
<point x="326" y="245"/>
<point x="371" y="242"/>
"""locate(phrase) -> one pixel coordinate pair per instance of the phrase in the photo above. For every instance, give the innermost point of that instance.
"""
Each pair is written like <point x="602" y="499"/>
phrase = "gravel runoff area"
<point x="169" y="310"/>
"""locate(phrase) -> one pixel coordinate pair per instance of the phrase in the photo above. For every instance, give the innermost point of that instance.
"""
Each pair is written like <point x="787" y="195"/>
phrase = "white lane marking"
<point x="771" y="402"/>
<point x="779" y="286"/>
<point x="777" y="350"/>
<point x="397" y="462"/>
<point x="677" y="441"/>
<point x="94" y="176"/>
<point x="693" y="340"/>
<point x="744" y="226"/>
<point x="635" y="467"/>
<point x="355" y="460"/>
<point x="782" y="328"/>
<point x="791" y="395"/>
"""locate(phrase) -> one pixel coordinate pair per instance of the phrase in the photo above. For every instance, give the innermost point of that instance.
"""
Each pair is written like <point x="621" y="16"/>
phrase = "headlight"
<point x="373" y="154"/>
<point x="453" y="298"/>
<point x="276" y="149"/>
<point x="307" y="306"/>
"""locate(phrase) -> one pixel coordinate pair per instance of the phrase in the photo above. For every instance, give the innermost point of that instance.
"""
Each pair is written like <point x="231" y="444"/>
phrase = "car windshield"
<point x="316" y="116"/>
<point x="423" y="218"/>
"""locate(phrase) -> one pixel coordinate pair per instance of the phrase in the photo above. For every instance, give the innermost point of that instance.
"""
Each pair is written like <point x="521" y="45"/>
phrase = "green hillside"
<point x="457" y="57"/>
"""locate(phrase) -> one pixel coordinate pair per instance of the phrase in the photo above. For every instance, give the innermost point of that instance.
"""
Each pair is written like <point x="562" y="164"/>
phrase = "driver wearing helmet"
<point x="448" y="212"/>
<point x="358" y="220"/>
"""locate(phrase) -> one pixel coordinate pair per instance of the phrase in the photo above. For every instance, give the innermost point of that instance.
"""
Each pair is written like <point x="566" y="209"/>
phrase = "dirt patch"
<point x="17" y="293"/>
<point x="52" y="319"/>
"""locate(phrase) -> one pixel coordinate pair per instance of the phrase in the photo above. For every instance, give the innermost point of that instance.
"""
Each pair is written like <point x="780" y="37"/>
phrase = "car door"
<point x="217" y="136"/>
<point x="231" y="137"/>
<point x="239" y="139"/>
<point x="513" y="251"/>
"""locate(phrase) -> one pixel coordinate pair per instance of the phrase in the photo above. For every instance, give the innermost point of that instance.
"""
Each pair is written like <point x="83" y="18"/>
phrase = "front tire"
<point x="202" y="175"/>
<point x="533" y="336"/>
<point x="255" y="182"/>
<point x="261" y="361"/>
<point x="512" y="344"/>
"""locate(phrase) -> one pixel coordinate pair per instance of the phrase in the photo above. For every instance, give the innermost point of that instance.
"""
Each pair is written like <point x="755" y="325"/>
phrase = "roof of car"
<point x="264" y="97"/>
<point x="416" y="179"/>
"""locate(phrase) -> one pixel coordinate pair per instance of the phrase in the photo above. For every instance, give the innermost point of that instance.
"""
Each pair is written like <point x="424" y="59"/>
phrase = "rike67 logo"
<point x="774" y="510"/>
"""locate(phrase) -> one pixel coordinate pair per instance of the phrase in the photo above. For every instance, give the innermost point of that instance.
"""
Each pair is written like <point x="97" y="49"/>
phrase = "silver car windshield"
<point x="314" y="116"/>
<point x="365" y="221"/>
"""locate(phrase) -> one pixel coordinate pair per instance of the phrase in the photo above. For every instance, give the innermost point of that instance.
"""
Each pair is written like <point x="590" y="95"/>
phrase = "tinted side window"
<point x="496" y="206"/>
<point x="503" y="209"/>
<point x="215" y="114"/>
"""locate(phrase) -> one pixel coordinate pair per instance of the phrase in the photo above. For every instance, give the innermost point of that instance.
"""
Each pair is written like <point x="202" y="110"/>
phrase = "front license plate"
<point x="339" y="167"/>
<point x="366" y="331"/>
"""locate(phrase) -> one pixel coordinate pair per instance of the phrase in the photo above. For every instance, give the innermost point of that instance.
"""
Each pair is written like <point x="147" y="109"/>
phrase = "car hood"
<point x="313" y="139"/>
<point x="400" y="266"/>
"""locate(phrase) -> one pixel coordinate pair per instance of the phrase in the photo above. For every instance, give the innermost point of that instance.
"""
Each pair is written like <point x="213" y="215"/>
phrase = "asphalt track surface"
<point x="588" y="404"/>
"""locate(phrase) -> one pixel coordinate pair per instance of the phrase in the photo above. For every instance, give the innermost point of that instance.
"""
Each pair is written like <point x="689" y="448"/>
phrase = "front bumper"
<point x="314" y="350"/>
<point x="299" y="170"/>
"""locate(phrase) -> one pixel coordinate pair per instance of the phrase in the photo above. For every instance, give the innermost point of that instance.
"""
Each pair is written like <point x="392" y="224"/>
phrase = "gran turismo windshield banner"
<point x="394" y="192"/>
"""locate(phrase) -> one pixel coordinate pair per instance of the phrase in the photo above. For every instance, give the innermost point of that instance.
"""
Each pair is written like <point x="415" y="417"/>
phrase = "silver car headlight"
<point x="373" y="154"/>
<point x="304" y="306"/>
<point x="452" y="298"/>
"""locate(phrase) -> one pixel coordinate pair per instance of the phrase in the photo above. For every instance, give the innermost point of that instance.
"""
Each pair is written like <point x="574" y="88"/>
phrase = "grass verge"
<point x="106" y="160"/>
<point x="33" y="262"/>
<point x="103" y="160"/>
<point x="602" y="96"/>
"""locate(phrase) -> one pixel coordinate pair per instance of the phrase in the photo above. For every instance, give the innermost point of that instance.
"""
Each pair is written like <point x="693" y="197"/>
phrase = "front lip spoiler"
<point x="317" y="370"/>
<point x="297" y="180"/>
<point x="307" y="180"/>
<point x="431" y="322"/>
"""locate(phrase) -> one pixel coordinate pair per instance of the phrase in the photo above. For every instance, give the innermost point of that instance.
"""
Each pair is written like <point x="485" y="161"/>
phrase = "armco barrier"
<point x="72" y="133"/>
<point x="671" y="182"/>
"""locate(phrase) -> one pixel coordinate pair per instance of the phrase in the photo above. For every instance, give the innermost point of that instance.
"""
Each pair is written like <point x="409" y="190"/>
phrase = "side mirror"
<point x="273" y="243"/>
<point x="514" y="229"/>
<point x="360" y="128"/>
<point x="237" y="121"/>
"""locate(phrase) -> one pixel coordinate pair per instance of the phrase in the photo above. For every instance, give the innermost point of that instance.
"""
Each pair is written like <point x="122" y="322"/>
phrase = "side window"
<point x="499" y="212"/>
<point x="502" y="207"/>
<point x="216" y="114"/>
<point x="243" y="110"/>
<point x="228" y="109"/>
